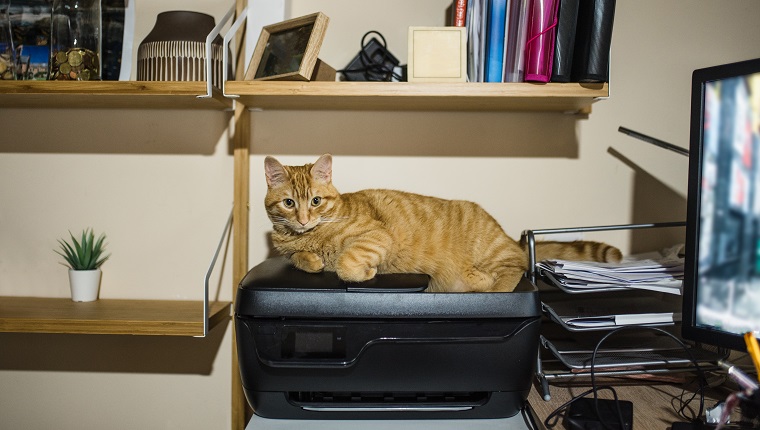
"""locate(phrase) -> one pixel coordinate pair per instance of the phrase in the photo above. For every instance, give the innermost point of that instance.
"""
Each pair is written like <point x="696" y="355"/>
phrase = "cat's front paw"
<point x="308" y="262"/>
<point x="356" y="272"/>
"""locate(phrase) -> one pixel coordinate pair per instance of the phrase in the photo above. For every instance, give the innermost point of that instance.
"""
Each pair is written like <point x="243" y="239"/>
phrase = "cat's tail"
<point x="579" y="250"/>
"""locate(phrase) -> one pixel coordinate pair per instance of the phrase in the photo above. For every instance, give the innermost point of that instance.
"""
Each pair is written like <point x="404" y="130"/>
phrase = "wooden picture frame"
<point x="288" y="50"/>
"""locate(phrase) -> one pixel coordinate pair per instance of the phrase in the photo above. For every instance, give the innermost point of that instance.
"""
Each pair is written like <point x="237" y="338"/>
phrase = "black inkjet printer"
<point x="311" y="346"/>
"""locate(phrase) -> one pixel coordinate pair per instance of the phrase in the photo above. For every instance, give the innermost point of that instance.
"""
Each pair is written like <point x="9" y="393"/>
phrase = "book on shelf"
<point x="516" y="27"/>
<point x="539" y="48"/>
<point x="591" y="59"/>
<point x="537" y="40"/>
<point x="497" y="13"/>
<point x="460" y="13"/>
<point x="567" y="19"/>
<point x="477" y="13"/>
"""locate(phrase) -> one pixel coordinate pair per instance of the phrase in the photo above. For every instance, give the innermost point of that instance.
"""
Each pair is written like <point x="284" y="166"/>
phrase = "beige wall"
<point x="160" y="184"/>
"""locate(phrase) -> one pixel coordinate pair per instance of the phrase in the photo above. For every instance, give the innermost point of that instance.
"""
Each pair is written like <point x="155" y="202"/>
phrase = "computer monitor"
<point x="721" y="294"/>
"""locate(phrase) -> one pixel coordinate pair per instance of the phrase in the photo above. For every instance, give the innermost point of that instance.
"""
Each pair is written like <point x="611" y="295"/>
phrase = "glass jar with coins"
<point x="75" y="46"/>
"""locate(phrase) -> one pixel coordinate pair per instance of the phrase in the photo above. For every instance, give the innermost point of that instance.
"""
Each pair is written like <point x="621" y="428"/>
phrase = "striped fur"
<point x="457" y="243"/>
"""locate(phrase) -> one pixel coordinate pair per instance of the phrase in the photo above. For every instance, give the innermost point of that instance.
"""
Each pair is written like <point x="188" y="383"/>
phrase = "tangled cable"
<point x="552" y="419"/>
<point x="373" y="69"/>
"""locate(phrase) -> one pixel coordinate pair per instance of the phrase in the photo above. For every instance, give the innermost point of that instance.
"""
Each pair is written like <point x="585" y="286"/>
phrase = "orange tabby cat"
<point x="457" y="243"/>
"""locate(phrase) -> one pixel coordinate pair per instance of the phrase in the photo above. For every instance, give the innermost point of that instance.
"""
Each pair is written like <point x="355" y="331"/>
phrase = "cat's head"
<point x="299" y="198"/>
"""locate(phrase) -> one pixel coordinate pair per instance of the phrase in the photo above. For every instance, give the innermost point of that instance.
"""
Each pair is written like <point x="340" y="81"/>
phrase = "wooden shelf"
<point x="109" y="94"/>
<point x="552" y="97"/>
<point x="108" y="316"/>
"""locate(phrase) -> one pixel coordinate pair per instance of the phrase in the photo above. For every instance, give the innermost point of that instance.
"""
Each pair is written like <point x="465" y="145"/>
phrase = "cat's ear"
<point x="322" y="169"/>
<point x="276" y="174"/>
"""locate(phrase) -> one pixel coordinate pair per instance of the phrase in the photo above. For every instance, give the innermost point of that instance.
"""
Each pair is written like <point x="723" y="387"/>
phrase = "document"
<point x="621" y="320"/>
<point x="654" y="272"/>
<point x="610" y="311"/>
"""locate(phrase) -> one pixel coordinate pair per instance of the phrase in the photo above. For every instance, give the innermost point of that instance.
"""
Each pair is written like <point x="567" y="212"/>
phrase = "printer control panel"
<point x="313" y="342"/>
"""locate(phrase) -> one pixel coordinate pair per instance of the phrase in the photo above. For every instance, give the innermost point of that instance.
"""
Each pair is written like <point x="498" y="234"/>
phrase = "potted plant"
<point x="84" y="258"/>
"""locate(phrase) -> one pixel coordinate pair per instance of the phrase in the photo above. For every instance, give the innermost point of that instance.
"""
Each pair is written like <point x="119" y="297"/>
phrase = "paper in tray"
<point x="580" y="287"/>
<point x="651" y="271"/>
<point x="609" y="311"/>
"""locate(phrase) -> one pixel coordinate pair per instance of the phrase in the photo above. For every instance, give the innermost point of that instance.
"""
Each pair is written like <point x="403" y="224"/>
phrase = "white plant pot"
<point x="85" y="284"/>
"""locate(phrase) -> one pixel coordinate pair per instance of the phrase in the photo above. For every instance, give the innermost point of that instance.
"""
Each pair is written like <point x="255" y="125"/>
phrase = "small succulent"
<point x="85" y="254"/>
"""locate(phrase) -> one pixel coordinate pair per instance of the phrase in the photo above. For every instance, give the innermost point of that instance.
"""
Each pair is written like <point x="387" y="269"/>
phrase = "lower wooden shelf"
<point x="108" y="316"/>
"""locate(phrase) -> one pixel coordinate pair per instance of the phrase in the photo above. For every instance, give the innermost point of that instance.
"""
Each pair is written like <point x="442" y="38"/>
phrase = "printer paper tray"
<point x="461" y="405"/>
<point x="382" y="401"/>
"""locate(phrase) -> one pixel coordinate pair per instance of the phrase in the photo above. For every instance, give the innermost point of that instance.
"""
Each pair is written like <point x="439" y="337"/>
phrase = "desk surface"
<point x="654" y="404"/>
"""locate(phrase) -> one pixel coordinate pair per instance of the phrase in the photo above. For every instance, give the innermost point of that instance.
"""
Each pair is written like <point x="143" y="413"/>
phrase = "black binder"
<point x="592" y="41"/>
<point x="565" y="44"/>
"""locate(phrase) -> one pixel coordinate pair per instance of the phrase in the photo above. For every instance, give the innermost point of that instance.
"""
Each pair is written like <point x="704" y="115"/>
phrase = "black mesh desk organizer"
<point x="311" y="346"/>
<point x="566" y="351"/>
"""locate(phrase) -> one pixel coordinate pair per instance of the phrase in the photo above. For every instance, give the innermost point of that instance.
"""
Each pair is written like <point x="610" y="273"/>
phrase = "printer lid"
<point x="276" y="289"/>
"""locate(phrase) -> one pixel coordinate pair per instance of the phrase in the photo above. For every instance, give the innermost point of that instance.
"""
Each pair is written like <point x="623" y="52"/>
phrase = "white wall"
<point x="159" y="184"/>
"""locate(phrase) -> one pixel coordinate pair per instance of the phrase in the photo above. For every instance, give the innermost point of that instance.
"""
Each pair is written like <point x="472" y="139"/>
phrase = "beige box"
<point x="437" y="54"/>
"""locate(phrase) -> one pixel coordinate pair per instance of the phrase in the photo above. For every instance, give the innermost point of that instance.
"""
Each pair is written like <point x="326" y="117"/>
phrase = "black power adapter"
<point x="373" y="63"/>
<point x="582" y="415"/>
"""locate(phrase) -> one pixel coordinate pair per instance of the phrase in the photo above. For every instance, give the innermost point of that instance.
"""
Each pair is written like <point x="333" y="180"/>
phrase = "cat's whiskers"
<point x="278" y="220"/>
<point x="327" y="220"/>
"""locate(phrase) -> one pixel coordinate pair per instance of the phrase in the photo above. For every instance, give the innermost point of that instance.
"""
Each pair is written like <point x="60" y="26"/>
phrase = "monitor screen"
<point x="722" y="266"/>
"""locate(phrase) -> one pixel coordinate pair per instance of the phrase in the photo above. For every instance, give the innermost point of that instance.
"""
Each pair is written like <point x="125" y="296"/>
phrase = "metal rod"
<point x="542" y="377"/>
<point x="608" y="227"/>
<point x="627" y="372"/>
<point x="653" y="141"/>
<point x="209" y="39"/>
<point x="225" y="56"/>
<point x="532" y="254"/>
<point x="208" y="274"/>
<point x="530" y="236"/>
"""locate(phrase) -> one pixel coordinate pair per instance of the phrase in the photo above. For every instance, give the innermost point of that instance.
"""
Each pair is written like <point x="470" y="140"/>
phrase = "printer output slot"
<point x="322" y="401"/>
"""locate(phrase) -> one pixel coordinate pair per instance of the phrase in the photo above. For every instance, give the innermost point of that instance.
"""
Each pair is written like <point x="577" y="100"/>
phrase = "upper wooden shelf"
<point x="109" y="94"/>
<point x="552" y="97"/>
<point x="108" y="316"/>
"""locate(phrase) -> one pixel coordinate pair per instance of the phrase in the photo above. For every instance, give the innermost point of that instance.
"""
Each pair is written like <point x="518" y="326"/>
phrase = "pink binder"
<point x="539" y="48"/>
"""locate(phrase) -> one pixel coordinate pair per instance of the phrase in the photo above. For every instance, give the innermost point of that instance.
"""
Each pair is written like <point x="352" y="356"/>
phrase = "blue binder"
<point x="497" y="14"/>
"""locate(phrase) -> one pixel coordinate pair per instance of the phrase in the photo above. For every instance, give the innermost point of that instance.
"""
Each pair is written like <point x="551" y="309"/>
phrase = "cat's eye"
<point x="289" y="203"/>
<point x="316" y="201"/>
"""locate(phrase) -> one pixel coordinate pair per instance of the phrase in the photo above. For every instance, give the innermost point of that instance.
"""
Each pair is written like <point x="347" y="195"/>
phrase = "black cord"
<point x="371" y="69"/>
<point x="555" y="414"/>
<point x="594" y="389"/>
<point x="700" y="373"/>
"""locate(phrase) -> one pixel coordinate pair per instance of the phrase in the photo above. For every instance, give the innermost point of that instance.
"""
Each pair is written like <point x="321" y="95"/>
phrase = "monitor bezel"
<point x="690" y="329"/>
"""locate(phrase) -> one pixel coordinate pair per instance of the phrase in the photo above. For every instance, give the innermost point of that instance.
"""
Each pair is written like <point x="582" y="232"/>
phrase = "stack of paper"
<point x="612" y="310"/>
<point x="664" y="274"/>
